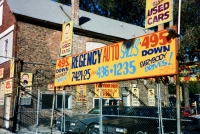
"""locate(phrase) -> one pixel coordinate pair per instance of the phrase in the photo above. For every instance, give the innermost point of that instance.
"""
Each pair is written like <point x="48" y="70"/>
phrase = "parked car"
<point x="189" y="111"/>
<point x="144" y="120"/>
<point x="84" y="123"/>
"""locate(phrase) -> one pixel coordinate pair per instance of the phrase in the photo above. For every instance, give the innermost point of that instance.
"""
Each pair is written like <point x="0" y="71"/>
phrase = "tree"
<point x="130" y="11"/>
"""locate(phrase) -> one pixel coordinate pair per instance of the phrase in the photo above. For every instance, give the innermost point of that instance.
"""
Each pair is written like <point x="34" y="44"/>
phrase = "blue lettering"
<point x="61" y="79"/>
<point x="155" y="65"/>
<point x="130" y="48"/>
<point x="61" y="70"/>
<point x="80" y="61"/>
<point x="89" y="58"/>
<point x="156" y="50"/>
<point x="99" y="55"/>
<point x="74" y="62"/>
<point x="94" y="60"/>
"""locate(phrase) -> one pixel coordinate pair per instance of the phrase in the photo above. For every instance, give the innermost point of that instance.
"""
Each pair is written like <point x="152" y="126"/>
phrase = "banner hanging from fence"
<point x="109" y="90"/>
<point x="66" y="43"/>
<point x="151" y="97"/>
<point x="26" y="83"/>
<point x="158" y="12"/>
<point x="146" y="56"/>
<point x="135" y="97"/>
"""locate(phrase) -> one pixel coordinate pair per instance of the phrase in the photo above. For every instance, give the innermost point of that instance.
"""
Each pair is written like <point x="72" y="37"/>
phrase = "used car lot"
<point x="84" y="123"/>
<point x="144" y="120"/>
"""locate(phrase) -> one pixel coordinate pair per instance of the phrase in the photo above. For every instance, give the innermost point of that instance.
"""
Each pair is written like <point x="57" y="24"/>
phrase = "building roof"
<point x="51" y="11"/>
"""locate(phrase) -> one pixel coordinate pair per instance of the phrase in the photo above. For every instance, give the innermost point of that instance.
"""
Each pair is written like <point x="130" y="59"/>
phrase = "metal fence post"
<point x="52" y="114"/>
<point x="100" y="107"/>
<point x="38" y="108"/>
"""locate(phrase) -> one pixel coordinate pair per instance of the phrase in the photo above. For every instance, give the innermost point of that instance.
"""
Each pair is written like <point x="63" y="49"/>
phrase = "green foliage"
<point x="130" y="11"/>
<point x="194" y="87"/>
<point x="190" y="29"/>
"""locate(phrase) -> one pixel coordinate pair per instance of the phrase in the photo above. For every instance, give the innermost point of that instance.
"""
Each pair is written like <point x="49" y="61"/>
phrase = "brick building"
<point x="30" y="32"/>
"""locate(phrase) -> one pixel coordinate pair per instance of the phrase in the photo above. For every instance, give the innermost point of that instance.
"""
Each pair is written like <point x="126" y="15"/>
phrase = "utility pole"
<point x="177" y="77"/>
<point x="19" y="68"/>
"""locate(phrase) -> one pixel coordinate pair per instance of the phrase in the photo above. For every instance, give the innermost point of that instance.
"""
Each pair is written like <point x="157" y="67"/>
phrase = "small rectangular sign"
<point x="12" y="67"/>
<point x="109" y="90"/>
<point x="1" y="99"/>
<point x="135" y="97"/>
<point x="66" y="43"/>
<point x="1" y="72"/>
<point x="81" y="93"/>
<point x="26" y="83"/>
<point x="2" y="86"/>
<point x="8" y="86"/>
<point x="151" y="97"/>
<point x="158" y="12"/>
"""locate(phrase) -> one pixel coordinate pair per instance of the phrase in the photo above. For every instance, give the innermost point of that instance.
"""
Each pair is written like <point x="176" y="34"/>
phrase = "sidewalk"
<point x="31" y="130"/>
<point x="4" y="131"/>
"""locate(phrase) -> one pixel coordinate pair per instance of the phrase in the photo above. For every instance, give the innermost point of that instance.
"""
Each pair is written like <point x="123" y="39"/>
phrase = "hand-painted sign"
<point x="1" y="72"/>
<point x="135" y="97"/>
<point x="81" y="93"/>
<point x="146" y="56"/>
<point x="158" y="12"/>
<point x="151" y="97"/>
<point x="50" y="87"/>
<point x="2" y="87"/>
<point x="62" y="71"/>
<point x="109" y="90"/>
<point x="1" y="99"/>
<point x="12" y="67"/>
<point x="66" y="43"/>
<point x="26" y="83"/>
<point x="8" y="86"/>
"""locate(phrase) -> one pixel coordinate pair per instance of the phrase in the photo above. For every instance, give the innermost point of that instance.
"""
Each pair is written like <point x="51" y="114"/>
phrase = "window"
<point x="47" y="101"/>
<point x="106" y="102"/>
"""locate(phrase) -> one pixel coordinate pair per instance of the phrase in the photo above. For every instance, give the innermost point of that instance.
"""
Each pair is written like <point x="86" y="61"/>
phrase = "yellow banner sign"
<point x="12" y="67"/>
<point x="81" y="93"/>
<point x="66" y="43"/>
<point x="158" y="12"/>
<point x="109" y="90"/>
<point x="147" y="56"/>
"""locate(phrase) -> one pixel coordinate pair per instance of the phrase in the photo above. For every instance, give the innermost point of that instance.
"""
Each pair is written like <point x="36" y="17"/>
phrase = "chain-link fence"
<point x="129" y="120"/>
